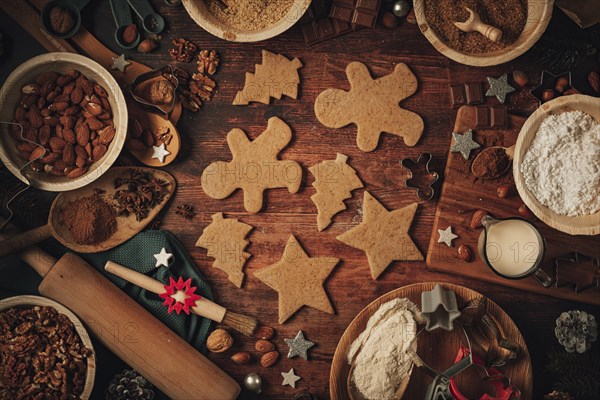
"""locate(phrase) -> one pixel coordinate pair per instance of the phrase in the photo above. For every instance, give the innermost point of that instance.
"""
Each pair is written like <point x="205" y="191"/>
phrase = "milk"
<point x="513" y="247"/>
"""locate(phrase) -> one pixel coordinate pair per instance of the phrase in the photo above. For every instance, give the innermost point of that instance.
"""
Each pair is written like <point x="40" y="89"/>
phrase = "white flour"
<point x="379" y="354"/>
<point x="562" y="166"/>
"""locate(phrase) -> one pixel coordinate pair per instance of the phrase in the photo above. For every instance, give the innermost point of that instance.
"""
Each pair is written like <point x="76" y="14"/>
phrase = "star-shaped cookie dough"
<point x="383" y="235"/>
<point x="446" y="236"/>
<point x="160" y="152"/>
<point x="298" y="346"/>
<point x="299" y="280"/>
<point x="163" y="258"/>
<point x="290" y="378"/>
<point x="499" y="87"/>
<point x="120" y="63"/>
<point x="464" y="143"/>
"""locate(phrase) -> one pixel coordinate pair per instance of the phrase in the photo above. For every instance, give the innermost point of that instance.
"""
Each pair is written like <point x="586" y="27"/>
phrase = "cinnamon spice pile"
<point x="90" y="220"/>
<point x="490" y="163"/>
<point x="509" y="16"/>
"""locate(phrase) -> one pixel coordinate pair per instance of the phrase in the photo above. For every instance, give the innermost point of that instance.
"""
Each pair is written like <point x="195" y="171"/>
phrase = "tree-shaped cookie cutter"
<point x="423" y="193"/>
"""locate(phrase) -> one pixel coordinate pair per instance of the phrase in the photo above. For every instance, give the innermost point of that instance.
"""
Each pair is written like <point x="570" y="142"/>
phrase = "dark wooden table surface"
<point x="350" y="286"/>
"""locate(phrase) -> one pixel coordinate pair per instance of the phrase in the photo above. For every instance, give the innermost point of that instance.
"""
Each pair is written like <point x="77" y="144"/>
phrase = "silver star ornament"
<point x="298" y="346"/>
<point x="120" y="63"/>
<point x="446" y="236"/>
<point x="290" y="378"/>
<point x="464" y="143"/>
<point x="499" y="87"/>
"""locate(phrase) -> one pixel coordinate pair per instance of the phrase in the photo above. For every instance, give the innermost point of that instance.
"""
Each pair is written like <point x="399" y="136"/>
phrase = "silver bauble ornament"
<point x="401" y="8"/>
<point x="253" y="382"/>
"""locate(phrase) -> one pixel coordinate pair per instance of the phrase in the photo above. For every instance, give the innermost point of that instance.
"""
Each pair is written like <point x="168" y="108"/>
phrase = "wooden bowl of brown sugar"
<point x="522" y="23"/>
<point x="246" y="20"/>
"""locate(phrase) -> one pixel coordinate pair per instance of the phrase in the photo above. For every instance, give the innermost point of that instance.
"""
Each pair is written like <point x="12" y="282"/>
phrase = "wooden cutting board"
<point x="462" y="194"/>
<point x="437" y="348"/>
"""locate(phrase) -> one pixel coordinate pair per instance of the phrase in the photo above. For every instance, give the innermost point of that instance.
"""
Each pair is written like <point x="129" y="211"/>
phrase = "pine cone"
<point x="129" y="385"/>
<point x="576" y="330"/>
<point x="555" y="395"/>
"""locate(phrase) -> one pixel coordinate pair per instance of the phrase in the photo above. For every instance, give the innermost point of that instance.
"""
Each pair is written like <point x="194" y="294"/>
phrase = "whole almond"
<point x="99" y="90"/>
<point x="242" y="357"/>
<point x="476" y="219"/>
<point x="105" y="104"/>
<point x="149" y="139"/>
<point x="38" y="152"/>
<point x="63" y="80"/>
<point x="72" y="110"/>
<point x="98" y="152"/>
<point x="58" y="106"/>
<point x="146" y="46"/>
<point x="50" y="76"/>
<point x="265" y="332"/>
<point x="264" y="346"/>
<point x="135" y="129"/>
<point x="69" y="88"/>
<point x="94" y="123"/>
<point x="44" y="135"/>
<point x="130" y="34"/>
<point x="82" y="132"/>
<point x="77" y="95"/>
<point x="51" y="157"/>
<point x="106" y="134"/>
<point x="465" y="253"/>
<point x="46" y="88"/>
<point x="94" y="108"/>
<point x="80" y="151"/>
<point x="219" y="341"/>
<point x="76" y="173"/>
<point x="57" y="143"/>
<point x="35" y="118"/>
<point x="104" y="116"/>
<point x="69" y="136"/>
<point x="26" y="146"/>
<point x="269" y="359"/>
<point x="69" y="154"/>
<point x="20" y="113"/>
<point x="79" y="161"/>
<point x="51" y="121"/>
<point x="61" y="98"/>
<point x="504" y="191"/>
<point x="594" y="80"/>
<point x="520" y="78"/>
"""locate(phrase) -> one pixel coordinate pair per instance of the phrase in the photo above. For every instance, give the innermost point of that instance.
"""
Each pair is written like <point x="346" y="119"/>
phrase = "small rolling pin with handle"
<point x="203" y="307"/>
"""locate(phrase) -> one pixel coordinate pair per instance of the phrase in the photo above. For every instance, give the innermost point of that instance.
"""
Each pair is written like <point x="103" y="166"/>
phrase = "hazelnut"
<point x="242" y="357"/>
<point x="525" y="212"/>
<point x="269" y="359"/>
<point x="147" y="45"/>
<point x="520" y="78"/>
<point x="476" y="219"/>
<point x="504" y="191"/>
<point x="465" y="253"/>
<point x="264" y="346"/>
<point x="561" y="84"/>
<point x="389" y="20"/>
<point x="548" y="95"/>
<point x="410" y="17"/>
<point x="571" y="91"/>
<point x="130" y="33"/>
<point x="265" y="332"/>
<point x="594" y="80"/>
<point x="219" y="341"/>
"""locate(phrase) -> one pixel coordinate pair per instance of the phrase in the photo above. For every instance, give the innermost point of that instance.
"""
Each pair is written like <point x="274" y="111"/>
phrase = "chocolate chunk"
<point x="317" y="26"/>
<point x="468" y="93"/>
<point x="359" y="12"/>
<point x="495" y="117"/>
<point x="482" y="117"/>
<point x="499" y="117"/>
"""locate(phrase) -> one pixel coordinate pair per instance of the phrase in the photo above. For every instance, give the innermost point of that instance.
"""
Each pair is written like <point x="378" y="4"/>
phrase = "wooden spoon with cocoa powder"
<point x="493" y="162"/>
<point x="126" y="226"/>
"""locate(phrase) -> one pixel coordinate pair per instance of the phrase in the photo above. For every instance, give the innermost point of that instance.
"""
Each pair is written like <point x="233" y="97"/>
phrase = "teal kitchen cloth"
<point x="138" y="254"/>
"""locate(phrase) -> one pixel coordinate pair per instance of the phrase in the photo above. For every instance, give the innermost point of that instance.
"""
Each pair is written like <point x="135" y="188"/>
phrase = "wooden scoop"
<point x="508" y="151"/>
<point x="127" y="227"/>
<point x="474" y="24"/>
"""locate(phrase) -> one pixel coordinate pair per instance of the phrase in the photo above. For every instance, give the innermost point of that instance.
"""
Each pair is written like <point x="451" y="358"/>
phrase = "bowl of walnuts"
<point x="68" y="121"/>
<point x="45" y="352"/>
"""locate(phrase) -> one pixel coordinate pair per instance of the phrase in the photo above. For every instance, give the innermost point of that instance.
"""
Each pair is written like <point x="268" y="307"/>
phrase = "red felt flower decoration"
<point x="180" y="295"/>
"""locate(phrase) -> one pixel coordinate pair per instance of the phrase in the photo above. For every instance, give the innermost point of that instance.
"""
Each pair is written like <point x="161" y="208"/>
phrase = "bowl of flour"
<point x="557" y="164"/>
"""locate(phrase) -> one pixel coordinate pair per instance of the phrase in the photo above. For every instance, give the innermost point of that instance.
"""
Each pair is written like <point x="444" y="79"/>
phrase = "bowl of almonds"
<point x="68" y="121"/>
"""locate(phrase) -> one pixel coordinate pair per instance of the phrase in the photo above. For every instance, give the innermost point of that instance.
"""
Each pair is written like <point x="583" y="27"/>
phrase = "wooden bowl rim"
<point x="8" y="97"/>
<point x="579" y="225"/>
<point x="198" y="12"/>
<point x="30" y="300"/>
<point x="393" y="294"/>
<point x="492" y="58"/>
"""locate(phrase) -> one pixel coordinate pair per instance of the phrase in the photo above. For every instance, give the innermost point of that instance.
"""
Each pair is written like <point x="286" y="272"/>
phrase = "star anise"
<point x="186" y="211"/>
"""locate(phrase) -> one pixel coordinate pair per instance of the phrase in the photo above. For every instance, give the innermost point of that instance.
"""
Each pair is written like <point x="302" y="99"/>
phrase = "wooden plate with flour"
<point x="437" y="348"/>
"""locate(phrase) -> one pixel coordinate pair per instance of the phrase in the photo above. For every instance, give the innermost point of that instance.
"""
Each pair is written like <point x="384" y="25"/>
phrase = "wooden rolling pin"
<point x="129" y="330"/>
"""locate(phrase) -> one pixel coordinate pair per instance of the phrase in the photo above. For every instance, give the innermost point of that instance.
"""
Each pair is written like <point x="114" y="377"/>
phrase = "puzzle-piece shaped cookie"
<point x="254" y="166"/>
<point x="334" y="180"/>
<point x="372" y="105"/>
<point x="275" y="77"/>
<point x="225" y="240"/>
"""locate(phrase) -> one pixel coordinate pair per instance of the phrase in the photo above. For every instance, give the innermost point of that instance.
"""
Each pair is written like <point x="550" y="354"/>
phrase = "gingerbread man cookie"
<point x="254" y="166"/>
<point x="372" y="105"/>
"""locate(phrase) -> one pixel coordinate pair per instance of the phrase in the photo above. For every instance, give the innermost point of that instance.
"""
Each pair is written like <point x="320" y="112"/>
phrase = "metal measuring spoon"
<point x="122" y="16"/>
<point x="151" y="21"/>
<point x="509" y="152"/>
<point x="74" y="7"/>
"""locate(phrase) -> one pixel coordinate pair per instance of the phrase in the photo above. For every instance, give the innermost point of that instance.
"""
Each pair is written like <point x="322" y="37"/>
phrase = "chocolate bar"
<point x="358" y="12"/>
<point x="491" y="117"/>
<point x="467" y="93"/>
<point x="317" y="26"/>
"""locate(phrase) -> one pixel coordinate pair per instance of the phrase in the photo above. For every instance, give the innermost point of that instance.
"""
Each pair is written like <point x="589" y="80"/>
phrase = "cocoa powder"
<point x="490" y="163"/>
<point x="90" y="220"/>
<point x="509" y="16"/>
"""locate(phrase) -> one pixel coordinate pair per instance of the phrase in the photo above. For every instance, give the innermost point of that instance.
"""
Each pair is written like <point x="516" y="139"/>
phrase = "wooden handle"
<point x="24" y="240"/>
<point x="490" y="32"/>
<point x="38" y="259"/>
<point x="134" y="334"/>
<point x="204" y="307"/>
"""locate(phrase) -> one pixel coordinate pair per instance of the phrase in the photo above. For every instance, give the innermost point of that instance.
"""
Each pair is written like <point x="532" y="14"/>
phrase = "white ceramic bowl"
<point x="579" y="225"/>
<point x="205" y="19"/>
<point x="30" y="301"/>
<point x="11" y="92"/>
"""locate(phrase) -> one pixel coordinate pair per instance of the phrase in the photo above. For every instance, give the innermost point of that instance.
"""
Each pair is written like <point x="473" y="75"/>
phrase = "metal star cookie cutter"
<point x="575" y="259"/>
<point x="428" y="192"/>
<point x="439" y="308"/>
<point x="167" y="72"/>
<point x="538" y="90"/>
